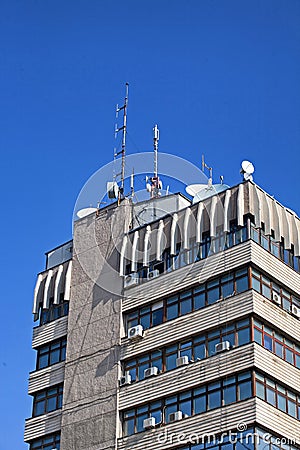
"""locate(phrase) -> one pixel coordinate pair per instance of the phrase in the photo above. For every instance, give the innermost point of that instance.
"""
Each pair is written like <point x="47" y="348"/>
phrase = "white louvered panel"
<point x="194" y="323"/>
<point x="134" y="252"/>
<point x="47" y="291"/>
<point x="276" y="367"/>
<point x="42" y="425"/>
<point x="146" y="246"/>
<point x="49" y="332"/>
<point x="57" y="284"/>
<point x="269" y="417"/>
<point x="216" y="421"/>
<point x="192" y="274"/>
<point x="187" y="377"/>
<point x="49" y="376"/>
<point x="276" y="316"/>
<point x="123" y="255"/>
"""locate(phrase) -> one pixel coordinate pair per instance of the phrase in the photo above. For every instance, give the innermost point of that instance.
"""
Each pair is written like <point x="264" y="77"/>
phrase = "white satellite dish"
<point x="85" y="212"/>
<point x="247" y="170"/>
<point x="193" y="189"/>
<point x="247" y="167"/>
<point x="207" y="192"/>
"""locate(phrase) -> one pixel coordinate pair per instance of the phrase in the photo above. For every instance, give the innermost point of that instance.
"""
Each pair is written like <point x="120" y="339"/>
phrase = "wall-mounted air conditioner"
<point x="175" y="416"/>
<point x="276" y="298"/>
<point x="150" y="372"/>
<point x="135" y="332"/>
<point x="149" y="423"/>
<point x="182" y="361"/>
<point x="152" y="274"/>
<point x="125" y="379"/>
<point x="222" y="346"/>
<point x="296" y="311"/>
<point x="131" y="280"/>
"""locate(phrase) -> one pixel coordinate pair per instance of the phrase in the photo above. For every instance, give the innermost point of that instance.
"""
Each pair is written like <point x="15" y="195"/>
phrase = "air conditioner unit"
<point x="296" y="311"/>
<point x="131" y="280"/>
<point x="222" y="346"/>
<point x="149" y="423"/>
<point x="135" y="332"/>
<point x="126" y="379"/>
<point x="182" y="361"/>
<point x="276" y="298"/>
<point x="152" y="274"/>
<point x="175" y="416"/>
<point x="150" y="372"/>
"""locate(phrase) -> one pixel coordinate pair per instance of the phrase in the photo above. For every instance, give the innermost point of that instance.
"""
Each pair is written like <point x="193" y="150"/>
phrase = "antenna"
<point x="155" y="144"/>
<point x="123" y="128"/>
<point x="156" y="185"/>
<point x="205" y="166"/>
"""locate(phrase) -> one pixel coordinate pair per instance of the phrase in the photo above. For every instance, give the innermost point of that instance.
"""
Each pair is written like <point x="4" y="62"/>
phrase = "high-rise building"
<point x="171" y="325"/>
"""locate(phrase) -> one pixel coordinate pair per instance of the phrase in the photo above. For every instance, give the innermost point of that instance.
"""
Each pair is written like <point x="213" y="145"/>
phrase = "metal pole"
<point x="124" y="139"/>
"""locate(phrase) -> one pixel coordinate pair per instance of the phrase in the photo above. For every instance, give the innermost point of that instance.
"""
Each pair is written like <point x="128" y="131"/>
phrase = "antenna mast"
<point x="123" y="150"/>
<point x="156" y="185"/>
<point x="155" y="144"/>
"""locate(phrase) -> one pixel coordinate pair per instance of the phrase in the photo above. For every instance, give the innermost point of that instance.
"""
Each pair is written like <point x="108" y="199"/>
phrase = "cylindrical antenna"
<point x="155" y="144"/>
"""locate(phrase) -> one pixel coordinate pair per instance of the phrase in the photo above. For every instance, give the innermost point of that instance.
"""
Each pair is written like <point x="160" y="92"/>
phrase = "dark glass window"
<point x="46" y="443"/>
<point x="276" y="342"/>
<point x="189" y="300"/>
<point x="191" y="402"/>
<point x="198" y="347"/>
<point x="277" y="395"/>
<point x="55" y="311"/>
<point x="51" y="354"/>
<point x="47" y="400"/>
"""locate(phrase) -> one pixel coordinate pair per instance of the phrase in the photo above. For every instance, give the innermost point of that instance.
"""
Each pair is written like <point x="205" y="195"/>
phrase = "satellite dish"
<point x="193" y="189"/>
<point x="247" y="170"/>
<point x="207" y="192"/>
<point x="85" y="212"/>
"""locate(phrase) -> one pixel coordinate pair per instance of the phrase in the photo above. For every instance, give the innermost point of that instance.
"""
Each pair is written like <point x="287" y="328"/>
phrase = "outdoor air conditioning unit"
<point x="222" y="346"/>
<point x="175" y="416"/>
<point x="296" y="311"/>
<point x="131" y="280"/>
<point x="152" y="274"/>
<point x="149" y="423"/>
<point x="150" y="372"/>
<point x="125" y="379"/>
<point x="135" y="332"/>
<point x="182" y="361"/>
<point x="276" y="298"/>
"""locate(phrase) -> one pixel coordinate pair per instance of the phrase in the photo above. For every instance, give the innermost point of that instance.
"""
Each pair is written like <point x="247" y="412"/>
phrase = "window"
<point x="46" y="443"/>
<point x="190" y="300"/>
<point x="51" y="354"/>
<point x="194" y="401"/>
<point x="197" y="347"/>
<point x="276" y="248"/>
<point x="47" y="400"/>
<point x="269" y="289"/>
<point x="54" y="311"/>
<point x="277" y="395"/>
<point x="277" y="343"/>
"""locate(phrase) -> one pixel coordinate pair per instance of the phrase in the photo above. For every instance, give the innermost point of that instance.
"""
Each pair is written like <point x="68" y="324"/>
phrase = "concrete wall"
<point x="89" y="415"/>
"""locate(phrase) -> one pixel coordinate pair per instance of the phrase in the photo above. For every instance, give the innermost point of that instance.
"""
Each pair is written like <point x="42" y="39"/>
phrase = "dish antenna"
<point x="193" y="189"/>
<point x="247" y="170"/>
<point x="85" y="212"/>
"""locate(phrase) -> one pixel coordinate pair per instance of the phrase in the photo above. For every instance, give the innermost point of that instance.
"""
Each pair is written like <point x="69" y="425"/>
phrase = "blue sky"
<point x="219" y="77"/>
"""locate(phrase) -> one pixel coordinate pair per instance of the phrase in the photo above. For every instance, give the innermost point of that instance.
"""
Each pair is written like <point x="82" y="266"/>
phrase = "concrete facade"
<point x="108" y="247"/>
